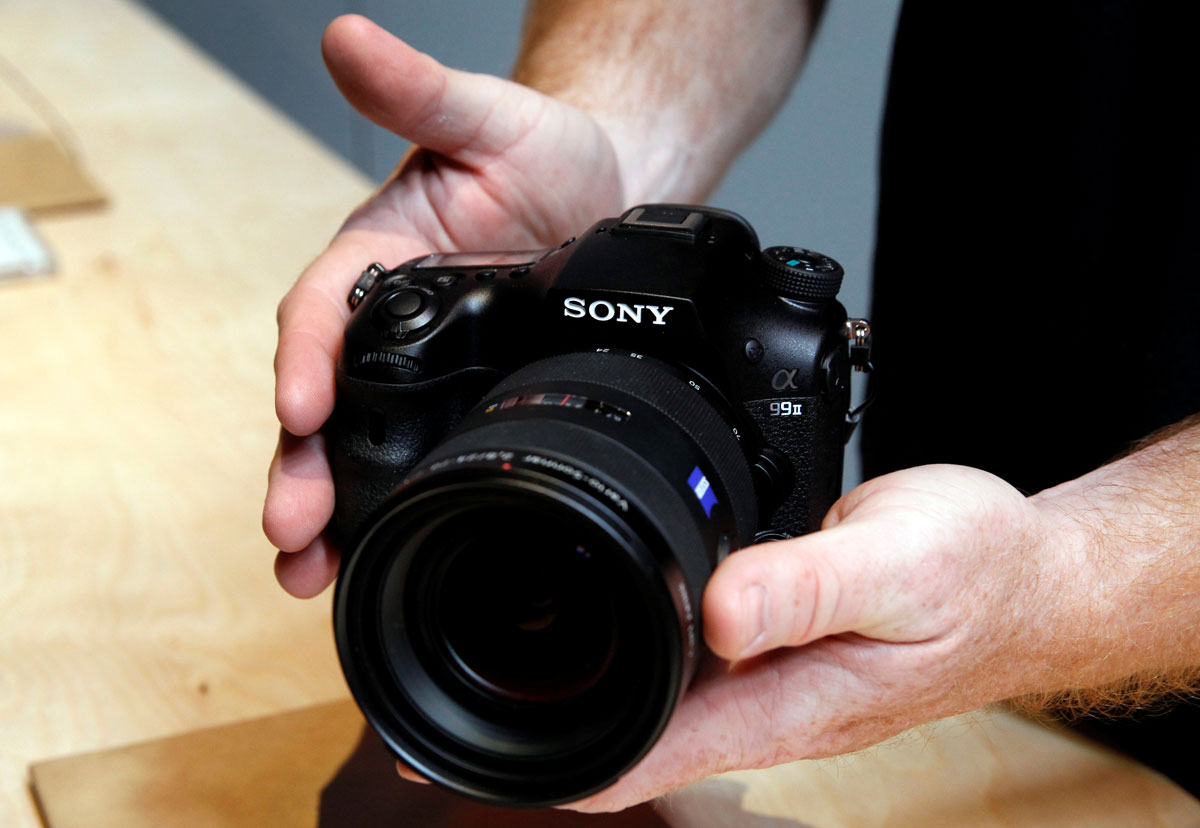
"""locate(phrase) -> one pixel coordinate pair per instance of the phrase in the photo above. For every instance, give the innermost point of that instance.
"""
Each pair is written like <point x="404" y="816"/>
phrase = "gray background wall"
<point x="808" y="180"/>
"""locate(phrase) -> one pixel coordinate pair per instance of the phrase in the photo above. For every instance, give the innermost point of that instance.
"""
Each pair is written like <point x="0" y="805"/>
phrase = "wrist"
<point x="1075" y="590"/>
<point x="678" y="95"/>
<point x="1123" y="627"/>
<point x="659" y="164"/>
<point x="664" y="158"/>
<point x="1042" y="629"/>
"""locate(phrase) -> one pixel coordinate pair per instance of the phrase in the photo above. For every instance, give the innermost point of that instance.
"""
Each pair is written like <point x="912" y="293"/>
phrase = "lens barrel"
<point x="521" y="616"/>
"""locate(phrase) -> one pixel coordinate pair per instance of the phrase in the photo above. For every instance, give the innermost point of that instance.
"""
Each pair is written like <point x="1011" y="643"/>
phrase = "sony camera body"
<point x="760" y="333"/>
<point x="539" y="459"/>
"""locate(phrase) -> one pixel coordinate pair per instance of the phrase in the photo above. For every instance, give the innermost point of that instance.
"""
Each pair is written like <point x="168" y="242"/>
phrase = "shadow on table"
<point x="366" y="792"/>
<point x="717" y="803"/>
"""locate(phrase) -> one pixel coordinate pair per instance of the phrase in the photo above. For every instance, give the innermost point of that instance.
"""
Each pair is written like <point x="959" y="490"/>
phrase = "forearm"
<point x="1133" y="530"/>
<point x="680" y="88"/>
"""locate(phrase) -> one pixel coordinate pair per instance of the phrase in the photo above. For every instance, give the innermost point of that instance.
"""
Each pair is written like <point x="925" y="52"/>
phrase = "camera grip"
<point x="379" y="431"/>
<point x="816" y="462"/>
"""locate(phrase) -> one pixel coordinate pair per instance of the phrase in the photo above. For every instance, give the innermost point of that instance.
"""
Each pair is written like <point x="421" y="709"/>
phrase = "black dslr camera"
<point x="541" y="456"/>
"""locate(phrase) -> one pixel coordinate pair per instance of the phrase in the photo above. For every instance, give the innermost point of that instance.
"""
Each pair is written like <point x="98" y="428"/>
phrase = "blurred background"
<point x="809" y="180"/>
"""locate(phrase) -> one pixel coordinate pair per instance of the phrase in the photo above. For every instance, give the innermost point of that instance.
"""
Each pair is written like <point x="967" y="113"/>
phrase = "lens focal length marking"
<point x="597" y="485"/>
<point x="578" y="401"/>
<point x="506" y="460"/>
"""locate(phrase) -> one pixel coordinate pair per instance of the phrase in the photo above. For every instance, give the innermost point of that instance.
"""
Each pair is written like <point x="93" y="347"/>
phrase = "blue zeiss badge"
<point x="703" y="491"/>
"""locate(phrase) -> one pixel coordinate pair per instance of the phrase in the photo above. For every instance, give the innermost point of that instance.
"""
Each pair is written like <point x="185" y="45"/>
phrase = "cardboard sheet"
<point x="37" y="174"/>
<point x="314" y="768"/>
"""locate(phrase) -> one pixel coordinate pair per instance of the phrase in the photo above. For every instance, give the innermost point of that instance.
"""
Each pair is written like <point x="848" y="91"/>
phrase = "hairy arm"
<point x="680" y="88"/>
<point x="1132" y="529"/>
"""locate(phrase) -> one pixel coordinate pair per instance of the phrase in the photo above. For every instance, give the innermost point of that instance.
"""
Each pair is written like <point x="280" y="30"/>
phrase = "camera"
<point x="539" y="459"/>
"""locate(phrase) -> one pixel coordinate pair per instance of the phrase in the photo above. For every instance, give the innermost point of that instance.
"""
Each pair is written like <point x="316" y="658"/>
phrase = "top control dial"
<point x="798" y="273"/>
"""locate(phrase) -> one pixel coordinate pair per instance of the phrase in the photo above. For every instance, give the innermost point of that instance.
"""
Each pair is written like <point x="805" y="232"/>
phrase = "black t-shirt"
<point x="1037" y="273"/>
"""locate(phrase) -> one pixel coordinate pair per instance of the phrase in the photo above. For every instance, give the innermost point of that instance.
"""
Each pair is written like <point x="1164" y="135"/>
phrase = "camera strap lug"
<point x="858" y="334"/>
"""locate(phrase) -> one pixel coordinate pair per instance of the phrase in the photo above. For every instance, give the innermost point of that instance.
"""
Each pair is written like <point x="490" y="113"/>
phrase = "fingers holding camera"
<point x="298" y="506"/>
<point x="897" y="561"/>
<point x="312" y="319"/>
<point x="310" y="330"/>
<point x="785" y="594"/>
<point x="853" y="576"/>
<point x="409" y="774"/>
<point x="306" y="574"/>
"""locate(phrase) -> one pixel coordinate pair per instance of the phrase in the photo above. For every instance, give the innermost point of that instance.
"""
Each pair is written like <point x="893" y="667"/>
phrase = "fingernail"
<point x="754" y="619"/>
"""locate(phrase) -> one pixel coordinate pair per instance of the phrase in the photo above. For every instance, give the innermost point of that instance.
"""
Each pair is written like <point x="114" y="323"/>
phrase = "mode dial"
<point x="798" y="273"/>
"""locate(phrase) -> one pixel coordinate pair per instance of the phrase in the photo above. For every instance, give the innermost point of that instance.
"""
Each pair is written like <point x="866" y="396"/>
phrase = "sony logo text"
<point x="602" y="311"/>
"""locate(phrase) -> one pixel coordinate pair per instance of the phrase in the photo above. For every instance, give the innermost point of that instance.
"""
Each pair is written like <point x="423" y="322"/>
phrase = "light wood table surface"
<point x="136" y="423"/>
<point x="136" y="401"/>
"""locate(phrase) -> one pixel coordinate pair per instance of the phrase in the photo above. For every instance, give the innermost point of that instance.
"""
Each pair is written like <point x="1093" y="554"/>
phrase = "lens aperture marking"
<point x="577" y="401"/>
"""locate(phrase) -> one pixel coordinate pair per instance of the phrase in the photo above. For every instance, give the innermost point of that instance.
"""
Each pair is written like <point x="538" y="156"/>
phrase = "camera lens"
<point x="519" y="615"/>
<point x="531" y="619"/>
<point x="522" y="614"/>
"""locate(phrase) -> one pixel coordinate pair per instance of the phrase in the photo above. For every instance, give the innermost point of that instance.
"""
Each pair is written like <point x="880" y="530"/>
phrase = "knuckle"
<point x="819" y="599"/>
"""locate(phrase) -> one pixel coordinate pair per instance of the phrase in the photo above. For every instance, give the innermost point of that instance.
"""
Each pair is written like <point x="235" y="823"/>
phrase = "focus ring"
<point x="654" y="384"/>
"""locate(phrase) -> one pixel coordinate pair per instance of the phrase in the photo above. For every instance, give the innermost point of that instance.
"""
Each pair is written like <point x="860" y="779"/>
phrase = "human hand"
<point x="927" y="593"/>
<point x="496" y="166"/>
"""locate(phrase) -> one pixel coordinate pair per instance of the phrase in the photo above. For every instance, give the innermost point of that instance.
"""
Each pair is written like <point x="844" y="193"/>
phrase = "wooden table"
<point x="136" y="593"/>
<point x="136" y="416"/>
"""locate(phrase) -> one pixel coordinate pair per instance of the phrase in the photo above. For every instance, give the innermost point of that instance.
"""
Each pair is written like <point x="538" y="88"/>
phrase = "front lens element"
<point x="530" y="617"/>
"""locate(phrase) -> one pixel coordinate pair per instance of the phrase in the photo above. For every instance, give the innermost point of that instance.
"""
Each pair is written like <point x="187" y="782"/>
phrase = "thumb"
<point x="788" y="593"/>
<point x="414" y="96"/>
